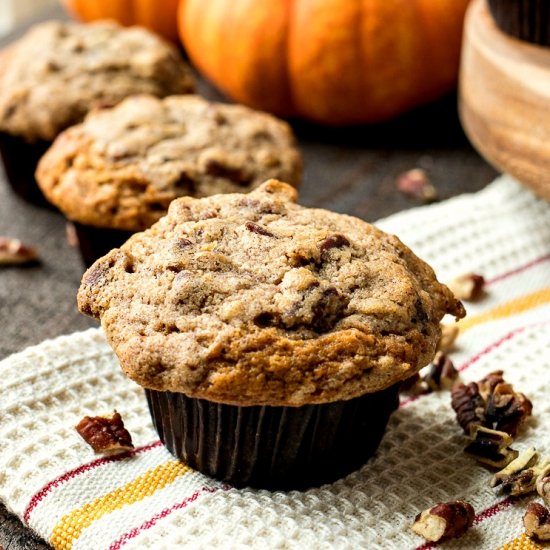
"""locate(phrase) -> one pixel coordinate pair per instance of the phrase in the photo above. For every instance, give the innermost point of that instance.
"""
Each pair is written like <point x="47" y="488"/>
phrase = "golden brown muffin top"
<point x="123" y="166"/>
<point x="58" y="71"/>
<point x="253" y="299"/>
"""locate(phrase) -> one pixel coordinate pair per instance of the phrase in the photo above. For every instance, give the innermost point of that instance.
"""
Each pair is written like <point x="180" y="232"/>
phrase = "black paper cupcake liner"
<point x="525" y="19"/>
<point x="20" y="161"/>
<point x="95" y="242"/>
<point x="272" y="447"/>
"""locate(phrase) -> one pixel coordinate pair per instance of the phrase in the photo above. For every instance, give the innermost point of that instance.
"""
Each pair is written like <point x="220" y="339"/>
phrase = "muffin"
<point x="270" y="338"/>
<point x="525" y="19"/>
<point x="59" y="71"/>
<point x="117" y="172"/>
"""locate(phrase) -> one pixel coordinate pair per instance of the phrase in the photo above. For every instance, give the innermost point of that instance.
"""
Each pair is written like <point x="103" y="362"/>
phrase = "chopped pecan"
<point x="441" y="374"/>
<point x="258" y="229"/>
<point x="333" y="241"/>
<point x="468" y="405"/>
<point x="491" y="402"/>
<point x="520" y="476"/>
<point x="543" y="484"/>
<point x="449" y="334"/>
<point x="416" y="184"/>
<point x="491" y="447"/>
<point x="537" y="522"/>
<point x="445" y="520"/>
<point x="469" y="286"/>
<point x="489" y="382"/>
<point x="14" y="252"/>
<point x="506" y="409"/>
<point x="105" y="434"/>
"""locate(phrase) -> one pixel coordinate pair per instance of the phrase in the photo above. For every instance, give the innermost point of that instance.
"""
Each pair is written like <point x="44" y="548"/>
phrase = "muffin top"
<point x="123" y="166"/>
<point x="58" y="71"/>
<point x="253" y="299"/>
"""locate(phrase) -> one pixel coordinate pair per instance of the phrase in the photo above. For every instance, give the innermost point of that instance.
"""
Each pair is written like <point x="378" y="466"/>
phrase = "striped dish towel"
<point x="146" y="499"/>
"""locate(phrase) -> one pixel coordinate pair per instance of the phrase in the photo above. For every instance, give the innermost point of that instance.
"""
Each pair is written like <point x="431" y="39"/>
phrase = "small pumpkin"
<point x="157" y="15"/>
<point x="336" y="62"/>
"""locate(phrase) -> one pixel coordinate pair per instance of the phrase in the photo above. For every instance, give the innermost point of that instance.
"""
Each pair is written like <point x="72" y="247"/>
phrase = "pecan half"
<point x="492" y="403"/>
<point x="445" y="520"/>
<point x="105" y="434"/>
<point x="468" y="405"/>
<point x="14" y="252"/>
<point x="537" y="522"/>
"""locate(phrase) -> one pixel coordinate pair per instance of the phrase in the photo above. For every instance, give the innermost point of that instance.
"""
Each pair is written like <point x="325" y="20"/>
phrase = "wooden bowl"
<point x="504" y="99"/>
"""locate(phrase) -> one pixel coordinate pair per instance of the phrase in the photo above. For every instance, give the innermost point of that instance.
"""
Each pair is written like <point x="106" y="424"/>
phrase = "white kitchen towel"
<point x="146" y="499"/>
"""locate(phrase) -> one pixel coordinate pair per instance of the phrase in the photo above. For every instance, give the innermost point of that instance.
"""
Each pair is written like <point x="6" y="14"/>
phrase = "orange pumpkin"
<point x="333" y="61"/>
<point x="157" y="15"/>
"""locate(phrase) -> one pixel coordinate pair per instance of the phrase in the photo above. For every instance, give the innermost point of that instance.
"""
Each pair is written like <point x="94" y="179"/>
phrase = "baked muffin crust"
<point x="59" y="71"/>
<point x="123" y="166"/>
<point x="253" y="299"/>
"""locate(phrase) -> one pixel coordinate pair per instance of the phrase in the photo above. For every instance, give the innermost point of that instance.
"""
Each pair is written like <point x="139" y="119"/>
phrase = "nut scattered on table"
<point x="104" y="434"/>
<point x="492" y="403"/>
<point x="445" y="520"/>
<point x="416" y="184"/>
<point x="441" y="374"/>
<point x="71" y="234"/>
<point x="468" y="405"/>
<point x="521" y="475"/>
<point x="543" y="484"/>
<point x="469" y="287"/>
<point x="14" y="252"/>
<point x="491" y="447"/>
<point x="449" y="334"/>
<point x="537" y="522"/>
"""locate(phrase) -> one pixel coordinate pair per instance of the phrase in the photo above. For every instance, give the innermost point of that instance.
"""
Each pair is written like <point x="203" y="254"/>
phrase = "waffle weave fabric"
<point x="52" y="480"/>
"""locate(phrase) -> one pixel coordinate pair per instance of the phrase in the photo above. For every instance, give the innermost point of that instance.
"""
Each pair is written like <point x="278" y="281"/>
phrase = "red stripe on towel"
<point x="40" y="495"/>
<point x="133" y="533"/>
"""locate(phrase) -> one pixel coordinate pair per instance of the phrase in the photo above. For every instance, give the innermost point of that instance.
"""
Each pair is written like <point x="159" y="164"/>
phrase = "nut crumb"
<point x="445" y="520"/>
<point x="14" y="252"/>
<point x="105" y="434"/>
<point x="537" y="522"/>
<point x="469" y="287"/>
<point x="416" y="184"/>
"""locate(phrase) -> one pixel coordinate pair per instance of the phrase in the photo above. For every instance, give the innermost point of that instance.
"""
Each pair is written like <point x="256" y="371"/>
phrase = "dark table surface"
<point x="347" y="170"/>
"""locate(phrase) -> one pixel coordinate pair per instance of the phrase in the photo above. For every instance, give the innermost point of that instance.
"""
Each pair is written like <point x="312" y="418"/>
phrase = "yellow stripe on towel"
<point x="513" y="307"/>
<point x="522" y="542"/>
<point x="71" y="525"/>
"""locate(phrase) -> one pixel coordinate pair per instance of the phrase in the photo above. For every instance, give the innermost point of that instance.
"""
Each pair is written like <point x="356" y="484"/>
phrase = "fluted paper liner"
<point x="272" y="447"/>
